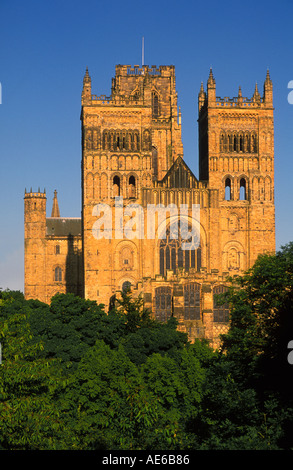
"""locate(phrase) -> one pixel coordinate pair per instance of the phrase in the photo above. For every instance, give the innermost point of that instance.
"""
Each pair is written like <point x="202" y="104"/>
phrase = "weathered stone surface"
<point x="132" y="148"/>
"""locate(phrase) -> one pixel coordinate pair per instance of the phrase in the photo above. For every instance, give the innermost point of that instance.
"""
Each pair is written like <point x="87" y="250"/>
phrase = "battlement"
<point x="239" y="102"/>
<point x="117" y="100"/>
<point x="153" y="71"/>
<point x="32" y="194"/>
<point x="209" y="98"/>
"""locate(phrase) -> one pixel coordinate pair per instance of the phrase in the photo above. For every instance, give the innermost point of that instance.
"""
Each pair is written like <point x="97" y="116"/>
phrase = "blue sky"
<point x="45" y="47"/>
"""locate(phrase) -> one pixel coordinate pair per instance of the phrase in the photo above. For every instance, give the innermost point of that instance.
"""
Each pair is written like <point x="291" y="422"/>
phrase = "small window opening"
<point x="116" y="186"/>
<point x="228" y="189"/>
<point x="155" y="105"/>
<point x="126" y="286"/>
<point x="58" y="274"/>
<point x="131" y="186"/>
<point x="241" y="144"/>
<point x="242" y="193"/>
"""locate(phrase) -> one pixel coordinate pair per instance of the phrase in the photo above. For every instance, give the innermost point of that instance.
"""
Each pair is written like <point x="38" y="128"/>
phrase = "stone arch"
<point x="129" y="279"/>
<point x="132" y="183"/>
<point x="261" y="188"/>
<point x="234" y="258"/>
<point x="242" y="187"/>
<point x="90" y="185"/>
<point x="97" y="191"/>
<point x="116" y="185"/>
<point x="196" y="260"/>
<point x="228" y="182"/>
<point x="156" y="100"/>
<point x="146" y="140"/>
<point x="255" y="188"/>
<point x="104" y="186"/>
<point x="268" y="188"/>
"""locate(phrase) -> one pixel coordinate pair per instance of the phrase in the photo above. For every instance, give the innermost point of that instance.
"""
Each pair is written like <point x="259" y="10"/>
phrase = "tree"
<point x="106" y="403"/>
<point x="178" y="383"/>
<point x="67" y="327"/>
<point x="255" y="349"/>
<point x="133" y="310"/>
<point x="262" y="321"/>
<point x="28" y="382"/>
<point x="162" y="338"/>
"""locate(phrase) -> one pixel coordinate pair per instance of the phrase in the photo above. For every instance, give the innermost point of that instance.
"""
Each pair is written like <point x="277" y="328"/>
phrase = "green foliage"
<point x="133" y="310"/>
<point x="107" y="401"/>
<point x="67" y="327"/>
<point x="29" y="418"/>
<point x="254" y="357"/>
<point x="76" y="377"/>
<point x="156" y="338"/>
<point x="262" y="321"/>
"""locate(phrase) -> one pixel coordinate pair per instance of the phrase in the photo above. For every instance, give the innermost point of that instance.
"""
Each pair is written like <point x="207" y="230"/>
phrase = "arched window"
<point x="242" y="191"/>
<point x="172" y="256"/>
<point x="126" y="286"/>
<point x="116" y="186"/>
<point x="155" y="103"/>
<point x="230" y="143"/>
<point x="136" y="141"/>
<point x="58" y="274"/>
<point x="124" y="144"/>
<point x="163" y="303"/>
<point x="146" y="140"/>
<point x="222" y="143"/>
<point x="131" y="187"/>
<point x="227" y="189"/>
<point x="192" y="301"/>
<point x="253" y="144"/>
<point x="234" y="143"/>
<point x="221" y="311"/>
<point x="247" y="143"/>
<point x="241" y="146"/>
<point x="111" y="137"/>
<point x="105" y="140"/>
<point x="57" y="249"/>
<point x="118" y="142"/>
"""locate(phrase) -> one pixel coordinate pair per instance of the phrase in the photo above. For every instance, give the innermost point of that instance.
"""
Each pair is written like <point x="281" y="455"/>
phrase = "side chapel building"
<point x="132" y="148"/>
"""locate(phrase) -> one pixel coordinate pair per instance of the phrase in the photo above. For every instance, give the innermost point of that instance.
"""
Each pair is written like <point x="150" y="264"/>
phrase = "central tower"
<point x="129" y="141"/>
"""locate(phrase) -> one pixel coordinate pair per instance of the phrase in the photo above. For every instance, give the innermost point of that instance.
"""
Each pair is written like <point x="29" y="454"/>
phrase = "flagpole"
<point x="142" y="55"/>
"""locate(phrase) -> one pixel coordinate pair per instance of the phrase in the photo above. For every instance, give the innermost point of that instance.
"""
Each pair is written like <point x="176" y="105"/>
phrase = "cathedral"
<point x="132" y="160"/>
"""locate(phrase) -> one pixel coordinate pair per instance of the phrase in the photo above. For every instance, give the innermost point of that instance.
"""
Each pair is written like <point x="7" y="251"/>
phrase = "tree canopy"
<point x="76" y="377"/>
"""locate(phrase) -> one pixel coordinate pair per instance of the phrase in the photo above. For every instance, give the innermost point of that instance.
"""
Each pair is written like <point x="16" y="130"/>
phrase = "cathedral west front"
<point x="131" y="160"/>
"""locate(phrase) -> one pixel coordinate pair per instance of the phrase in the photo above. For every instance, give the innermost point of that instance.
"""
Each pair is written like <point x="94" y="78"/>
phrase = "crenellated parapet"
<point x="209" y="98"/>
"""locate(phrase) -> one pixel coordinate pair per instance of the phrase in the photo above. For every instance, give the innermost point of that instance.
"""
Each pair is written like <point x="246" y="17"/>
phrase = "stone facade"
<point x="132" y="153"/>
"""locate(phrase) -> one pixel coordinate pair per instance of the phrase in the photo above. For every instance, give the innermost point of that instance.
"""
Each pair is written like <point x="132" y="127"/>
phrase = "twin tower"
<point x="132" y="152"/>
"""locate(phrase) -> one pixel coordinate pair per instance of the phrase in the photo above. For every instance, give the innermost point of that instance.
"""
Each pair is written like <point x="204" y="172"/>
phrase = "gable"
<point x="179" y="176"/>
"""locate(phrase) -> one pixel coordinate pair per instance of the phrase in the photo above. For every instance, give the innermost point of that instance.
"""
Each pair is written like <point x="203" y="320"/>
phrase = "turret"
<point x="201" y="97"/>
<point x="86" y="95"/>
<point x="35" y="214"/>
<point x="35" y="248"/>
<point x="256" y="95"/>
<point x="55" y="208"/>
<point x="268" y="91"/>
<point x="240" y="97"/>
<point x="211" y="89"/>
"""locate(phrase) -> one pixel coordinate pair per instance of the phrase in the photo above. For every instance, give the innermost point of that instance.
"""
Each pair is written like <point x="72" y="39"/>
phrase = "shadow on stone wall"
<point x="73" y="269"/>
